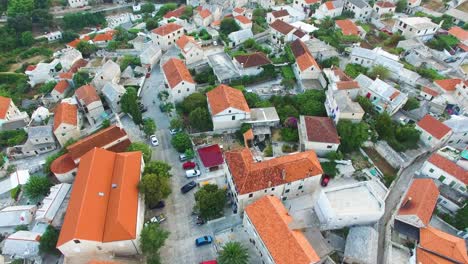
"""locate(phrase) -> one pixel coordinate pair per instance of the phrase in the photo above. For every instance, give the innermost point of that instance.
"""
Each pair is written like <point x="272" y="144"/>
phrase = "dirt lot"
<point x="380" y="162"/>
<point x="32" y="60"/>
<point x="463" y="7"/>
<point x="435" y="5"/>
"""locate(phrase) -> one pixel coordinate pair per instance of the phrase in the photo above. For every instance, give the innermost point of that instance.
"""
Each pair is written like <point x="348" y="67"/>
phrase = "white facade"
<point x="181" y="90"/>
<point x="360" y="8"/>
<point x="459" y="126"/>
<point x="339" y="106"/>
<point x="77" y="3"/>
<point x="355" y="204"/>
<point x="259" y="245"/>
<point x="323" y="10"/>
<point x="431" y="170"/>
<point x="42" y="73"/>
<point x="430" y="140"/>
<point x="151" y="55"/>
<point x="271" y="18"/>
<point x="192" y="53"/>
<point x="312" y="72"/>
<point x="381" y="10"/>
<point x="229" y="119"/>
<point x="167" y="40"/>
<point x="13" y="113"/>
<point x="64" y="132"/>
<point x="54" y="36"/>
<point x="411" y="27"/>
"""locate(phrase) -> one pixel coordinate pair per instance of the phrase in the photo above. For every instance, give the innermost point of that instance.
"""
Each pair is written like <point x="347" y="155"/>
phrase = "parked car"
<point x="158" y="219"/>
<point x="188" y="187"/>
<point x="143" y="108"/>
<point x="192" y="173"/>
<point x="204" y="240"/>
<point x="182" y="157"/>
<point x="451" y="59"/>
<point x="148" y="74"/>
<point x="174" y="131"/>
<point x="215" y="43"/>
<point x="209" y="262"/>
<point x="189" y="165"/>
<point x="325" y="180"/>
<point x="200" y="221"/>
<point x="154" y="140"/>
<point x="158" y="205"/>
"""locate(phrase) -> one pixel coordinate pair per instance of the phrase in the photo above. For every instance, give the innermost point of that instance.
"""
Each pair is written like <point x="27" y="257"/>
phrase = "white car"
<point x="192" y="173"/>
<point x="154" y="140"/>
<point x="215" y="43"/>
<point x="174" y="131"/>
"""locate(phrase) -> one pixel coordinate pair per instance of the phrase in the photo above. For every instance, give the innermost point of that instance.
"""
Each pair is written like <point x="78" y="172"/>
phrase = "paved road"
<point x="393" y="200"/>
<point x="180" y="246"/>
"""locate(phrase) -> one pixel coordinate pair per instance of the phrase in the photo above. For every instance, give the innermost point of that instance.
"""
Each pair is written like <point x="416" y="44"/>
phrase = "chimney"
<point x="283" y="174"/>
<point x="407" y="202"/>
<point x="101" y="194"/>
<point x="269" y="184"/>
<point x="114" y="185"/>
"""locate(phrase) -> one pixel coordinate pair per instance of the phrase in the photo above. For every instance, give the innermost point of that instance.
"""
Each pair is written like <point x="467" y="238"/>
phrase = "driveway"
<point x="180" y="246"/>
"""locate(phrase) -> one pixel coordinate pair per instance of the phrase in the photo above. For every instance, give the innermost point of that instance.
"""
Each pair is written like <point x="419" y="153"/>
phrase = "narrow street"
<point x="393" y="200"/>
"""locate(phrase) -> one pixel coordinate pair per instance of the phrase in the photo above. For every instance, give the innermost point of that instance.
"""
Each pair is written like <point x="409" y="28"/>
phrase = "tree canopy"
<point x="129" y="104"/>
<point x="228" y="25"/>
<point x="192" y="102"/>
<point x="37" y="187"/>
<point x="144" y="148"/>
<point x="200" y="119"/>
<point x="352" y="135"/>
<point x="48" y="241"/>
<point x="155" y="187"/>
<point x="233" y="253"/>
<point x="411" y="104"/>
<point x="181" y="142"/>
<point x="149" y="126"/>
<point x="152" y="239"/>
<point x="379" y="71"/>
<point x="210" y="201"/>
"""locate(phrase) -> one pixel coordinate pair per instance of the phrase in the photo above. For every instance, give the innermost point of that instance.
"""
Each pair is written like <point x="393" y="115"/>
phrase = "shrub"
<point x="37" y="187"/>
<point x="268" y="151"/>
<point x="14" y="193"/>
<point x="289" y="134"/>
<point x="329" y="168"/>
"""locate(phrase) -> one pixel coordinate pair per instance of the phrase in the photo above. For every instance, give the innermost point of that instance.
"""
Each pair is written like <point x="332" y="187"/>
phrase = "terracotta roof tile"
<point x="175" y="13"/>
<point x="62" y="164"/>
<point x="304" y="58"/>
<point x="385" y="4"/>
<point x="433" y="126"/>
<point x="299" y="33"/>
<point x="61" y="86"/>
<point x="250" y="176"/>
<point x="223" y="97"/>
<point x="216" y="23"/>
<point x="463" y="46"/>
<point x="449" y="167"/>
<point x="113" y="215"/>
<point x="243" y="19"/>
<point x="459" y="33"/>
<point x="426" y="257"/>
<point x="420" y="200"/>
<point x="430" y="91"/>
<point x="166" y="29"/>
<point x="448" y="84"/>
<point x="211" y="156"/>
<point x="280" y="13"/>
<point x="253" y="60"/>
<point x="75" y="42"/>
<point x="440" y="244"/>
<point x="311" y="2"/>
<point x="102" y="37"/>
<point x="176" y="72"/>
<point x="345" y="82"/>
<point x="66" y="75"/>
<point x="330" y="5"/>
<point x="184" y="40"/>
<point x="321" y="129"/>
<point x="282" y="27"/>
<point x="78" y="64"/>
<point x="65" y="113"/>
<point x="394" y="95"/>
<point x="100" y="139"/>
<point x="4" y="106"/>
<point x="31" y="67"/>
<point x="239" y="10"/>
<point x="204" y="13"/>
<point x="347" y="27"/>
<point x="271" y="221"/>
<point x="87" y="93"/>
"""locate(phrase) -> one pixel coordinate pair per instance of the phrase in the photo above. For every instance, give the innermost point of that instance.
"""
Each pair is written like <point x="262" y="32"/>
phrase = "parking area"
<point x="238" y="234"/>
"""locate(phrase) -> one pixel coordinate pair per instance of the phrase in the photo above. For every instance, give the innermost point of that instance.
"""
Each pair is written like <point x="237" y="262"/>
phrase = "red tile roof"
<point x="433" y="126"/>
<point x="282" y="27"/>
<point x="304" y="58"/>
<point x="239" y="10"/>
<point x="253" y="60"/>
<point x="250" y="176"/>
<point x="77" y="65"/>
<point x="321" y="129"/>
<point x="459" y="33"/>
<point x="4" y="106"/>
<point x="61" y="86"/>
<point x="103" y="37"/>
<point x="271" y="221"/>
<point x="243" y="19"/>
<point x="430" y="91"/>
<point x="211" y="156"/>
<point x="438" y="247"/>
<point x="204" y="13"/>
<point x="329" y="5"/>
<point x="184" y="40"/>
<point x="420" y="200"/>
<point x="66" y="75"/>
<point x="30" y="67"/>
<point x="385" y="4"/>
<point x="97" y="211"/>
<point x="75" y="42"/>
<point x="345" y="82"/>
<point x="280" y="13"/>
<point x="175" y="13"/>
<point x="62" y="164"/>
<point x="65" y="114"/>
<point x="87" y="93"/>
<point x="449" y="167"/>
<point x="176" y="72"/>
<point x="448" y="84"/>
<point x="166" y="29"/>
<point x="347" y="27"/>
<point x="223" y="97"/>
<point x="463" y="46"/>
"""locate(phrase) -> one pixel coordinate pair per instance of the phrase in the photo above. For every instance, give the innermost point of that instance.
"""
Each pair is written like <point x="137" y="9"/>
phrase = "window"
<point x="99" y="248"/>
<point x="462" y="189"/>
<point x="284" y="198"/>
<point x="429" y="138"/>
<point x="188" y="89"/>
<point x="431" y="170"/>
<point x="251" y="195"/>
<point x="452" y="184"/>
<point x="76" y="241"/>
<point x="233" y="117"/>
<point x="441" y="178"/>
<point x="272" y="189"/>
<point x="329" y="146"/>
<point x="300" y="187"/>
<point x="178" y="91"/>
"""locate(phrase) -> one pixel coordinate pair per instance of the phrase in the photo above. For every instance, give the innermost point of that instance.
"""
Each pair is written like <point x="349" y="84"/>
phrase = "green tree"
<point x="189" y="153"/>
<point x="408" y="136"/>
<point x="287" y="111"/>
<point x="147" y="8"/>
<point x="16" y="7"/>
<point x="19" y="23"/>
<point x="289" y="134"/>
<point x="352" y="135"/>
<point x="460" y="219"/>
<point x="151" y="23"/>
<point x="81" y="78"/>
<point x="129" y="105"/>
<point x="353" y="70"/>
<point x="333" y="61"/>
<point x="37" y="187"/>
<point x="47" y="87"/>
<point x="42" y="18"/>
<point x="401" y="6"/>
<point x="210" y="201"/>
<point x="228" y="25"/>
<point x="200" y="119"/>
<point x="27" y="38"/>
<point x="411" y="104"/>
<point x="384" y="126"/>
<point x="176" y="123"/>
<point x="48" y="241"/>
<point x="158" y="167"/>
<point x="144" y="148"/>
<point x="379" y="71"/>
<point x="86" y="48"/>
<point x="149" y="127"/>
<point x="181" y="142"/>
<point x="68" y="36"/>
<point x="152" y="239"/>
<point x="154" y="187"/>
<point x="21" y="228"/>
<point x="129" y="60"/>
<point x="233" y="253"/>
<point x="366" y="104"/>
<point x="192" y="102"/>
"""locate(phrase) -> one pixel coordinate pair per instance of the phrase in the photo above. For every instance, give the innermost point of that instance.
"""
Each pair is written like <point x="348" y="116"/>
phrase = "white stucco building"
<point x="90" y="103"/>
<point x="318" y="134"/>
<point x="433" y="132"/>
<point x="167" y="35"/>
<point x="178" y="79"/>
<point x="447" y="172"/>
<point x="305" y="67"/>
<point x="416" y="27"/>
<point x="190" y="49"/>
<point x="66" y="123"/>
<point x="459" y="127"/>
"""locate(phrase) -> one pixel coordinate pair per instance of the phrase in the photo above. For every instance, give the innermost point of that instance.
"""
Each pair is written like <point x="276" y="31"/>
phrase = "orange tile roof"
<point x="223" y="97"/>
<point x="448" y="84"/>
<point x="175" y="13"/>
<point x="420" y="200"/>
<point x="321" y="129"/>
<point x="250" y="176"/>
<point x="345" y="82"/>
<point x="4" y="106"/>
<point x="463" y="46"/>
<point x="304" y="58"/>
<point x="385" y="4"/>
<point x="216" y="23"/>
<point x="31" y="67"/>
<point x="87" y="93"/>
<point x="66" y="75"/>
<point x="103" y="37"/>
<point x="434" y="127"/>
<point x="329" y="5"/>
<point x="204" y="13"/>
<point x="459" y="33"/>
<point x="282" y="27"/>
<point x="426" y="257"/>
<point x="75" y="42"/>
<point x="78" y="64"/>
<point x="248" y="135"/>
<point x="62" y="164"/>
<point x="99" y="139"/>
<point x="176" y="72"/>
<point x="167" y="29"/>
<point x="243" y="19"/>
<point x="253" y="60"/>
<point x="239" y="10"/>
<point x="394" y="95"/>
<point x="449" y="167"/>
<point x="347" y="27"/>
<point x="97" y="211"/>
<point x="61" y="86"/>
<point x="271" y="221"/>
<point x="280" y="13"/>
<point x="438" y="244"/>
<point x="430" y="91"/>
<point x="184" y="40"/>
<point x="65" y="113"/>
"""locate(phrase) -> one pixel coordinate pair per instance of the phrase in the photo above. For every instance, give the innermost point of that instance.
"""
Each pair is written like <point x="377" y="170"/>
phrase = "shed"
<point x="211" y="157"/>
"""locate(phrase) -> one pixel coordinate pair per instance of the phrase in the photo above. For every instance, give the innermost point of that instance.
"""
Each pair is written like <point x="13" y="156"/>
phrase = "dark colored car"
<point x="148" y="75"/>
<point x="159" y="205"/>
<point x="325" y="180"/>
<point x="188" y="187"/>
<point x="189" y="165"/>
<point x="204" y="240"/>
<point x="143" y="108"/>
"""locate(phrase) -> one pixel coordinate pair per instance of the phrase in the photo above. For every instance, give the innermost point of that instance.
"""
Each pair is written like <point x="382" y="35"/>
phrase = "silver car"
<point x="192" y="173"/>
